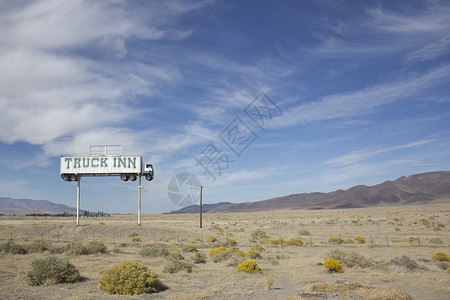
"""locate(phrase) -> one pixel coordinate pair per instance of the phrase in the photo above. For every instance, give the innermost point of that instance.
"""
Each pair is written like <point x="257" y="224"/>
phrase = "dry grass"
<point x="297" y="269"/>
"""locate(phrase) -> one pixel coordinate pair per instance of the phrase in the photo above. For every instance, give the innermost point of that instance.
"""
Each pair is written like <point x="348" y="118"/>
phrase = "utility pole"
<point x="201" y="217"/>
<point x="139" y="200"/>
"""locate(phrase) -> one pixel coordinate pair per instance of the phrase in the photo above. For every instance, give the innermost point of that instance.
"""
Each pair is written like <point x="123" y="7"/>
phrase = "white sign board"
<point x="101" y="165"/>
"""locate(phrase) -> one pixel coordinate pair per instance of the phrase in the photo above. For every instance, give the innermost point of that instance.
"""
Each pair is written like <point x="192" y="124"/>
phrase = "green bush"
<point x="13" y="248"/>
<point x="154" y="251"/>
<point x="39" y="245"/>
<point x="52" y="270"/>
<point x="350" y="259"/>
<point x="436" y="241"/>
<point x="76" y="248"/>
<point x="175" y="256"/>
<point x="249" y="266"/>
<point x="443" y="265"/>
<point x="221" y="256"/>
<point x="199" y="258"/>
<point x="189" y="248"/>
<point x="129" y="278"/>
<point x="177" y="266"/>
<point x="96" y="247"/>
<point x="333" y="266"/>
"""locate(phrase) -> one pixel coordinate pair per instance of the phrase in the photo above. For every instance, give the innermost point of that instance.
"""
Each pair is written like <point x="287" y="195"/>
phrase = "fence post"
<point x="387" y="241"/>
<point x="371" y="241"/>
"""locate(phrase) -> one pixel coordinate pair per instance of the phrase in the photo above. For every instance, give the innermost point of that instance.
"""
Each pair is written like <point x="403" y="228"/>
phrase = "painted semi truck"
<point x="127" y="167"/>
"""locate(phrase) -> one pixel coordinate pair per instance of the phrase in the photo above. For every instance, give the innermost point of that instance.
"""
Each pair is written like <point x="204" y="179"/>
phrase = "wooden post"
<point x="78" y="200"/>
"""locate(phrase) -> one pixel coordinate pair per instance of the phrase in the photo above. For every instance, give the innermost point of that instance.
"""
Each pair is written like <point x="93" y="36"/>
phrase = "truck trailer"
<point x="127" y="167"/>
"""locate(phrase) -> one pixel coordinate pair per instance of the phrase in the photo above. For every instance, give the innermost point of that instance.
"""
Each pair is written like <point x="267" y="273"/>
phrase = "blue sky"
<point x="359" y="91"/>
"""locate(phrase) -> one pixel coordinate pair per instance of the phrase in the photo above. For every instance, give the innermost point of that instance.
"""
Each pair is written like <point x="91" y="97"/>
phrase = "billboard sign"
<point x="101" y="165"/>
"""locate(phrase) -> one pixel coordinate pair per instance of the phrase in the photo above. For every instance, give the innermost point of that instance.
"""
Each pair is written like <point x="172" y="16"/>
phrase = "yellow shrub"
<point x="277" y="241"/>
<point x="211" y="239"/>
<point x="441" y="256"/>
<point x="249" y="266"/>
<point x="239" y="253"/>
<point x="258" y="247"/>
<point x="219" y="249"/>
<point x="335" y="240"/>
<point x="232" y="242"/>
<point x="333" y="266"/>
<point x="135" y="239"/>
<point x="128" y="278"/>
<point x="359" y="239"/>
<point x="295" y="242"/>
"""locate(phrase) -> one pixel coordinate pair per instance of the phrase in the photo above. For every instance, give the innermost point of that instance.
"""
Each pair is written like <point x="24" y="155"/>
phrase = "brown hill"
<point x="10" y="206"/>
<point x="414" y="189"/>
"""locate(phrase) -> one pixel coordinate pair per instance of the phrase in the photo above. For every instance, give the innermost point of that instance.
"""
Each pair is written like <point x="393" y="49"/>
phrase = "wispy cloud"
<point x="357" y="156"/>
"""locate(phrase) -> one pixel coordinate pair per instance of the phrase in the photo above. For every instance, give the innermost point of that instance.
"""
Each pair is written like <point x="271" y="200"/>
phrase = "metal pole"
<point x="139" y="201"/>
<point x="78" y="200"/>
<point x="201" y="192"/>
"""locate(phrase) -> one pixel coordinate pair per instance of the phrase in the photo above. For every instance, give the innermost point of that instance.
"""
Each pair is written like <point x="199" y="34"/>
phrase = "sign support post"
<point x="78" y="199"/>
<point x="139" y="200"/>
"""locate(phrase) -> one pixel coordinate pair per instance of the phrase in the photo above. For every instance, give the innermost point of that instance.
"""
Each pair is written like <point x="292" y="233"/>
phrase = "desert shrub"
<point x="258" y="247"/>
<point x="258" y="234"/>
<point x="350" y="259"/>
<point x="39" y="245"/>
<point x="135" y="239"/>
<point x="76" y="248"/>
<point x="441" y="256"/>
<point x="436" y="241"/>
<point x="295" y="242"/>
<point x="175" y="256"/>
<point x="133" y="234"/>
<point x="406" y="262"/>
<point x="239" y="253"/>
<point x="412" y="239"/>
<point x="154" y="251"/>
<point x="359" y="239"/>
<point x="219" y="249"/>
<point x="13" y="248"/>
<point x="189" y="248"/>
<point x="232" y="242"/>
<point x="211" y="239"/>
<point x="309" y="243"/>
<point x="52" y="270"/>
<point x="335" y="240"/>
<point x="197" y="240"/>
<point x="333" y="266"/>
<point x="128" y="278"/>
<point x="274" y="261"/>
<point x="221" y="256"/>
<point x="443" y="265"/>
<point x="388" y="293"/>
<point x="199" y="258"/>
<point x="96" y="247"/>
<point x="177" y="266"/>
<point x="304" y="232"/>
<point x="279" y="241"/>
<point x="253" y="254"/>
<point x="249" y="266"/>
<point x="348" y="241"/>
<point x="448" y="270"/>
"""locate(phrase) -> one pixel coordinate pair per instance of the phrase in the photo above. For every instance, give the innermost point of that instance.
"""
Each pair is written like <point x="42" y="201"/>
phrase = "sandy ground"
<point x="296" y="271"/>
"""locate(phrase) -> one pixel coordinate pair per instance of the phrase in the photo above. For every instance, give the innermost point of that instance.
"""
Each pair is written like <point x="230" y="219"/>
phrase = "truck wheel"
<point x="125" y="177"/>
<point x="149" y="177"/>
<point x="133" y="177"/>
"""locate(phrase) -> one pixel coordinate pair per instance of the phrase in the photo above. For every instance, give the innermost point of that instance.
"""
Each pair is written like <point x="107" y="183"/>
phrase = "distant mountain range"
<point x="10" y="206"/>
<point x="192" y="209"/>
<point x="415" y="189"/>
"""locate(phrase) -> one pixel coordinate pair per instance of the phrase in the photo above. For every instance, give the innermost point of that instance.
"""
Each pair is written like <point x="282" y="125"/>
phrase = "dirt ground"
<point x="296" y="272"/>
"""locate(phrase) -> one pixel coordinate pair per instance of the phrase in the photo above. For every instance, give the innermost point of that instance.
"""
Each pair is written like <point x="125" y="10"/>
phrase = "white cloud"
<point x="357" y="156"/>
